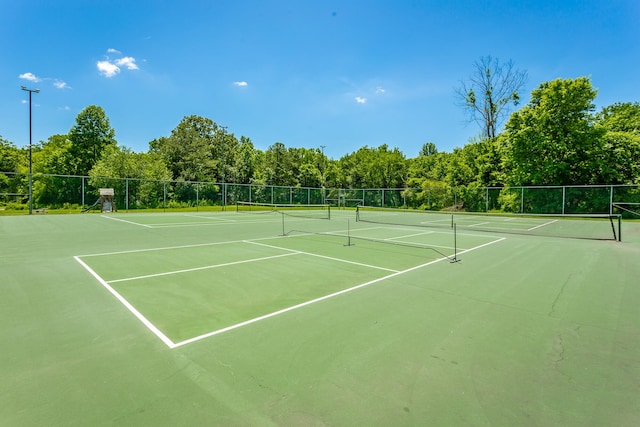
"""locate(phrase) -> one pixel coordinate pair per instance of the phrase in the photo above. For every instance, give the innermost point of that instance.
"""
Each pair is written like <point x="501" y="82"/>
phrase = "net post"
<point x="619" y="228"/>
<point x="357" y="213"/>
<point x="348" y="233"/>
<point x="455" y="244"/>
<point x="282" y="215"/>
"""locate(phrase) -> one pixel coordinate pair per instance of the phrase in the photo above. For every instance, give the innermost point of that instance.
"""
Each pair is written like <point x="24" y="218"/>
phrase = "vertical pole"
<point x="30" y="162"/>
<point x="564" y="195"/>
<point x="164" y="197"/>
<point x="83" y="192"/>
<point x="455" y="244"/>
<point x="282" y="215"/>
<point x="197" y="196"/>
<point x="486" y="199"/>
<point x="521" y="199"/>
<point x="619" y="228"/>
<point x="611" y="202"/>
<point x="30" y="149"/>
<point x="126" y="181"/>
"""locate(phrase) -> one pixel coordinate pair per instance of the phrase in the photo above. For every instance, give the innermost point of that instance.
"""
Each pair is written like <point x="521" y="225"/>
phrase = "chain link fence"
<point x="73" y="193"/>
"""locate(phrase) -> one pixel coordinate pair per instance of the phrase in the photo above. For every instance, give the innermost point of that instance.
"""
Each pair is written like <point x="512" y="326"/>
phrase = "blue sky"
<point x="343" y="74"/>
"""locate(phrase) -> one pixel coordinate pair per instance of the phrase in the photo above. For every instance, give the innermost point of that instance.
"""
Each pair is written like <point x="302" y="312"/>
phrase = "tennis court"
<point x="304" y="316"/>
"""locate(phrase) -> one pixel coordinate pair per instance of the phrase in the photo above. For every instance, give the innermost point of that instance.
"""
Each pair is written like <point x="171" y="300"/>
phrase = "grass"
<point x="524" y="330"/>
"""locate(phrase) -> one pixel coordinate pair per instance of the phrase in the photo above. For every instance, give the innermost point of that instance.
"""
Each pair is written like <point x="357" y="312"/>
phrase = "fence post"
<point x="521" y="199"/>
<point x="126" y="184"/>
<point x="611" y="202"/>
<point x="564" y="195"/>
<point x="83" y="192"/>
<point x="164" y="196"/>
<point x="486" y="199"/>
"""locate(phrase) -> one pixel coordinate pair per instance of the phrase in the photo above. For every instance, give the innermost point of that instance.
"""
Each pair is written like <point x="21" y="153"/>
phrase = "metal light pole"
<point x="31" y="91"/>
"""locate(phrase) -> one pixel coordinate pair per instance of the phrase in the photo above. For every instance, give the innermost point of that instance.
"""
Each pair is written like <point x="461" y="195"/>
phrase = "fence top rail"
<point x="293" y="187"/>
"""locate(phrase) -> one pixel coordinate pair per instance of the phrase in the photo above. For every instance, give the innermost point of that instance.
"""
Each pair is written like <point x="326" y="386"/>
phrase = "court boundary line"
<point x="125" y="221"/>
<point x="146" y="322"/>
<point x="323" y="298"/>
<point x="375" y="267"/>
<point x="172" y="345"/>
<point x="206" y="267"/>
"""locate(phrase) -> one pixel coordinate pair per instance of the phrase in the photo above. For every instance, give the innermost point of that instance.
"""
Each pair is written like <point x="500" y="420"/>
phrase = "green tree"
<point x="9" y="162"/>
<point x="246" y="161"/>
<point x="54" y="157"/>
<point x="9" y="156"/>
<point x="620" y="158"/>
<point x="188" y="151"/>
<point x="552" y="140"/>
<point x="373" y="168"/>
<point x="147" y="171"/>
<point x="428" y="149"/>
<point x="489" y="93"/>
<point x="91" y="134"/>
<point x="278" y="166"/>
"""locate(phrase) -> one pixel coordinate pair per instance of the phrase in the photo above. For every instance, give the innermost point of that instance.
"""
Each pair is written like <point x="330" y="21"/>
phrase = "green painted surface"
<point x="528" y="331"/>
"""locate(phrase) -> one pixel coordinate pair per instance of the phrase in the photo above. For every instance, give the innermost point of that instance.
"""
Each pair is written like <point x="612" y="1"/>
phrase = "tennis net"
<point x="296" y="210"/>
<point x="585" y="226"/>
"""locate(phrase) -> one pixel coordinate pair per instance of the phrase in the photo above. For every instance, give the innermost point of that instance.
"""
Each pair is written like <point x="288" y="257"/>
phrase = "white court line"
<point x="407" y="235"/>
<point x="166" y="248"/>
<point x="173" y="345"/>
<point x="211" y="218"/>
<point x="124" y="220"/>
<point x="542" y="225"/>
<point x="322" y="256"/>
<point x="478" y="224"/>
<point x="126" y="303"/>
<point x="316" y="300"/>
<point x="206" y="267"/>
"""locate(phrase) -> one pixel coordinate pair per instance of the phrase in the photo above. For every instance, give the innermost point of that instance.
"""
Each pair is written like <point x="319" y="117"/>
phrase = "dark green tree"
<point x="619" y="162"/>
<point x="9" y="156"/>
<point x="91" y="134"/>
<point x="552" y="140"/>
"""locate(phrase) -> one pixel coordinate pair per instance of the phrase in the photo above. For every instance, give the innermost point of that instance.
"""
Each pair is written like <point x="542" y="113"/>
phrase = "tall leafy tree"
<point x="189" y="151"/>
<point x="9" y="156"/>
<point x="91" y="134"/>
<point x="620" y="158"/>
<point x="246" y="161"/>
<point x="374" y="168"/>
<point x="552" y="140"/>
<point x="490" y="91"/>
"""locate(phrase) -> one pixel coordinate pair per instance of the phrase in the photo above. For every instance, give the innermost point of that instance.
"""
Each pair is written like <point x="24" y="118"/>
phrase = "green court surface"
<point x="273" y="319"/>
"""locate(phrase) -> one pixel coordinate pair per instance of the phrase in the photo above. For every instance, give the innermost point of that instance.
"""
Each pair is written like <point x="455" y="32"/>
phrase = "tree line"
<point x="558" y="138"/>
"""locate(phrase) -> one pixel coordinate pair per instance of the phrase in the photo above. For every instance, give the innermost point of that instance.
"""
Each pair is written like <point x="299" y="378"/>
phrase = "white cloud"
<point x="379" y="90"/>
<point x="110" y="67"/>
<point x="128" y="62"/>
<point x="30" y="76"/>
<point x="59" y="84"/>
<point x="107" y="68"/>
<point x="361" y="100"/>
<point x="241" y="84"/>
